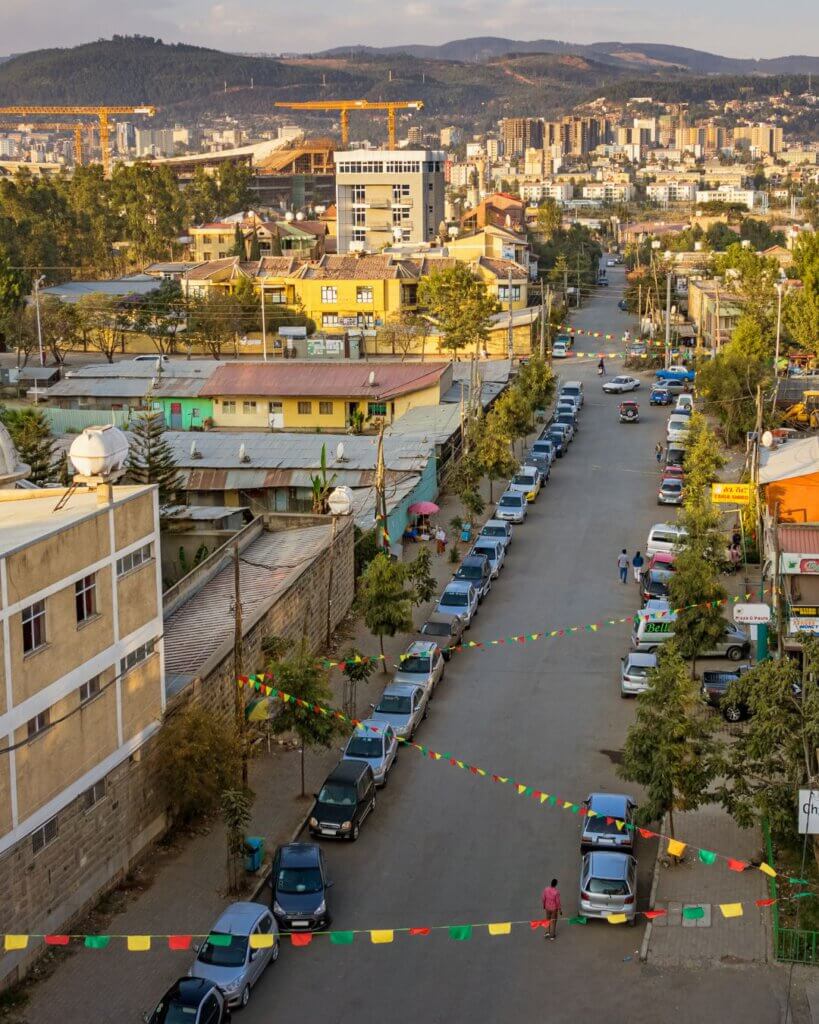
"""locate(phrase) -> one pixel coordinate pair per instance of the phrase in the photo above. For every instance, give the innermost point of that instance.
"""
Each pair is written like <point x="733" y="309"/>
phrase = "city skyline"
<point x="734" y="29"/>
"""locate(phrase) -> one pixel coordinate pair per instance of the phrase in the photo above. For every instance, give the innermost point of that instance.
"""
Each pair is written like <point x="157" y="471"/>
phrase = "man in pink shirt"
<point x="551" y="904"/>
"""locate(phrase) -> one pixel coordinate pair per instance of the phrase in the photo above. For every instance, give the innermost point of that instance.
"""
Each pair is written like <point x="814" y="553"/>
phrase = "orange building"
<point x="789" y="475"/>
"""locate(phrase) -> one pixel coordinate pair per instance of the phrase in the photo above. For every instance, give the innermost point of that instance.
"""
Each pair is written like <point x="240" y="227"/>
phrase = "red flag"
<point x="651" y="914"/>
<point x="538" y="924"/>
<point x="473" y="769"/>
<point x="56" y="940"/>
<point x="301" y="939"/>
<point x="737" y="865"/>
<point x="609" y="821"/>
<point x="765" y="903"/>
<point x="645" y="833"/>
<point x="419" y="931"/>
<point x="179" y="941"/>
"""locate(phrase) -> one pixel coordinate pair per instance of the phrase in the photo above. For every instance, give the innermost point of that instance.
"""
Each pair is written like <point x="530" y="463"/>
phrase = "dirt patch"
<point x="615" y="756"/>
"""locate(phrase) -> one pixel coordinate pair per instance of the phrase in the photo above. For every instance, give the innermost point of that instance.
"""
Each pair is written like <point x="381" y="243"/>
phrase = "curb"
<point x="265" y="878"/>
<point x="655" y="881"/>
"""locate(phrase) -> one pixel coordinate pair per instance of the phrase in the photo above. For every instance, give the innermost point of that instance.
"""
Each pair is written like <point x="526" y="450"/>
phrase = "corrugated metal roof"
<point x="436" y="422"/>
<point x="792" y="459"/>
<point x="127" y="388"/>
<point x="73" y="291"/>
<point x="804" y="539"/>
<point x="144" y="368"/>
<point x="201" y="513"/>
<point x="201" y="627"/>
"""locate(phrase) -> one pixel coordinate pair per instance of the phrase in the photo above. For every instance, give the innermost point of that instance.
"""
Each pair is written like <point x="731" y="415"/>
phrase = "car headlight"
<point x="346" y="826"/>
<point x="320" y="909"/>
<point x="232" y="986"/>
<point x="313" y="823"/>
<point x="278" y="908"/>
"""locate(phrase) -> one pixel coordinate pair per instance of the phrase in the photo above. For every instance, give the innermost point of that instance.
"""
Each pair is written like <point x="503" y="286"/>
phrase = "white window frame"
<point x="39" y="724"/>
<point x="44" y="835"/>
<point x="228" y="407"/>
<point x="135" y="559"/>
<point x="329" y="293"/>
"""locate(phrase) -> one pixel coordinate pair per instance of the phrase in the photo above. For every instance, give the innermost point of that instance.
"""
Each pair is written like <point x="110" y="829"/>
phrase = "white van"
<point x="653" y="629"/>
<point x="678" y="428"/>
<point x="574" y="389"/>
<point x="663" y="537"/>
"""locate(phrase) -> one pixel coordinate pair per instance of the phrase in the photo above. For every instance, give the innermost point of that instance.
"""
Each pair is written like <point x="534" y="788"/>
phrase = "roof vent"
<point x="195" y="453"/>
<point x="340" y="457"/>
<point x="371" y="379"/>
<point x="243" y="456"/>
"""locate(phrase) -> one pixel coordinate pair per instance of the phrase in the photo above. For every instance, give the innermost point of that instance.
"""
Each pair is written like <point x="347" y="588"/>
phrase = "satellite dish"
<point x="767" y="439"/>
<point x="299" y="215"/>
<point x="243" y="456"/>
<point x="340" y="451"/>
<point x="288" y="216"/>
<point x="320" y="210"/>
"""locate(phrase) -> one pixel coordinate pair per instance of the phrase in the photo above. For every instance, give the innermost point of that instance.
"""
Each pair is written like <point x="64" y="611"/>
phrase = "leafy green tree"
<point x="465" y="481"/>
<point x="357" y="669"/>
<point x="754" y="278"/>
<point x="557" y="275"/>
<point x="234" y="188"/>
<point x="238" y="242"/>
<point x="150" y="458"/>
<point x="151" y="208"/>
<point x="211" y="322"/>
<point x="383" y="598"/>
<point x="514" y="413"/>
<point x="536" y="381"/>
<point x="801" y="306"/>
<point x="201" y="198"/>
<point x="235" y="807"/>
<point x="302" y="676"/>
<point x="419" y="575"/>
<point x="549" y="217"/>
<point x="494" y="452"/>
<point x="161" y="315"/>
<point x="102" y="322"/>
<point x="31" y="434"/>
<point x="669" y="749"/>
<point x="460" y="304"/>
<point x="719" y="236"/>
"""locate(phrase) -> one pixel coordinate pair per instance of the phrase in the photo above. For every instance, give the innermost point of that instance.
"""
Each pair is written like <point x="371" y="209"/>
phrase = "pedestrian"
<point x="622" y="565"/>
<point x="440" y="540"/>
<point x="637" y="564"/>
<point x="736" y="537"/>
<point x="601" y="367"/>
<point x="551" y="904"/>
<point x="658" y="451"/>
<point x="735" y="556"/>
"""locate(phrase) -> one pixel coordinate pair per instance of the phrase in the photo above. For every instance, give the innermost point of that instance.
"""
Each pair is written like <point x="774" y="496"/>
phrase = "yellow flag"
<point x="544" y="797"/>
<point x="676" y="848"/>
<point x="767" y="869"/>
<point x="731" y="909"/>
<point x="520" y="788"/>
<point x="619" y="824"/>
<point x="262" y="941"/>
<point x="15" y="942"/>
<point x="616" y="918"/>
<point x="567" y="804"/>
<point x="138" y="943"/>
<point x="383" y="935"/>
<point x="501" y="928"/>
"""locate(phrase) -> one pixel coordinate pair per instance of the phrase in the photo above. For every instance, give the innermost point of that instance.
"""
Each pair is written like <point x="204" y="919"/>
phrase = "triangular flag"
<point x="616" y="918"/>
<point x="141" y="943"/>
<point x="544" y="797"/>
<point x="693" y="913"/>
<point x="341" y="938"/>
<point x="731" y="909"/>
<point x="419" y="931"/>
<point x="619" y="825"/>
<point x="96" y="941"/>
<point x="567" y="804"/>
<point x="651" y="914"/>
<point x="544" y="923"/>
<point x="520" y="789"/>
<point x="578" y="920"/>
<point x="501" y="928"/>
<point x="179" y="941"/>
<point x="707" y="856"/>
<point x="220" y="939"/>
<point x="737" y="865"/>
<point x="382" y="935"/>
<point x="765" y="903"/>
<point x="460" y="932"/>
<point x="646" y="833"/>
<point x="15" y="942"/>
<point x="676" y="848"/>
<point x="301" y="938"/>
<point x="797" y="881"/>
<point x="766" y="869"/>
<point x="262" y="940"/>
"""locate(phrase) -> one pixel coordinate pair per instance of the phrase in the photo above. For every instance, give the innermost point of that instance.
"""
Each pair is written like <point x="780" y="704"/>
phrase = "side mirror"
<point x="372" y="706"/>
<point x="145" y="1017"/>
<point x="254" y="953"/>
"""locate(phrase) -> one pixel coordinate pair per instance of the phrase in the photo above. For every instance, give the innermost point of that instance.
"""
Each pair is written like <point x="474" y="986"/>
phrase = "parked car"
<point x="674" y="386"/>
<point x="629" y="412"/>
<point x="600" y="829"/>
<point x="604" y="281"/>
<point x="670" y="492"/>
<point x="677" y="472"/>
<point x="659" y="396"/>
<point x="685" y="401"/>
<point x="344" y="801"/>
<point x="715" y="687"/>
<point x="686" y="411"/>
<point x="492" y="550"/>
<point x="622" y="305"/>
<point x="526" y="482"/>
<point x="559" y="439"/>
<point x="541" y="462"/>
<point x="461" y="598"/>
<point x="543" y="449"/>
<point x="194" y="1000"/>
<point x="676" y="373"/>
<point x="662" y="562"/>
<point x="512" y="506"/>
<point x="568" y="420"/>
<point x="402" y="706"/>
<point x="611" y="262"/>
<point x="618" y="385"/>
<point x="664" y="537"/>
<point x="651" y="630"/>
<point x="675" y="453"/>
<point x="608" y="885"/>
<point x="560" y="350"/>
<point x="634" y="671"/>
<point x="678" y="427"/>
<point x="422" y="664"/>
<point x="300" y="887"/>
<point x="233" y="964"/>
<point x="498" y="529"/>
<point x="448" y="630"/>
<point x="566" y="403"/>
<point x="653" y="585"/>
<point x="574" y="389"/>
<point x="375" y="744"/>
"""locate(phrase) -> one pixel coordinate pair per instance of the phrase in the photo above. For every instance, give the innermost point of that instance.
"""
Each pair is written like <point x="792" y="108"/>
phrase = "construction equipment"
<point x="77" y="127"/>
<point x="804" y="413"/>
<point x="345" y="106"/>
<point x="102" y="114"/>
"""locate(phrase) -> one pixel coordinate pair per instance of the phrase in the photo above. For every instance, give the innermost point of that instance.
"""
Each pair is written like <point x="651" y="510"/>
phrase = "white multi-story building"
<point x="385" y="196"/>
<point x="748" y="197"/>
<point x="536" y="192"/>
<point x="609" y="192"/>
<point x="665" y="192"/>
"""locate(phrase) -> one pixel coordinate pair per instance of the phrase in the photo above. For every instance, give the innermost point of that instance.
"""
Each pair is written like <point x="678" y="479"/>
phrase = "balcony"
<point x="378" y="204"/>
<point x="402" y="201"/>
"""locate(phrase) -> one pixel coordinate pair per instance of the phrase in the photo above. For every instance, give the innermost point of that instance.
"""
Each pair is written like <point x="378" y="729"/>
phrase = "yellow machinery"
<point x="804" y="413"/>
<point x="102" y="114"/>
<point x="345" y="106"/>
<point x="77" y="127"/>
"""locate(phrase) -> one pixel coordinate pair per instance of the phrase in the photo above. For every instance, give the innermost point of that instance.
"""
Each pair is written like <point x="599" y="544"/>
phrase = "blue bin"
<point x="466" y="533"/>
<point x="254" y="853"/>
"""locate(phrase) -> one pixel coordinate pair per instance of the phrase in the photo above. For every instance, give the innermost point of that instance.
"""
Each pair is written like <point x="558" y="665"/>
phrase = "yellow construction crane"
<point x="102" y="114"/>
<point x="345" y="106"/>
<point x="77" y="127"/>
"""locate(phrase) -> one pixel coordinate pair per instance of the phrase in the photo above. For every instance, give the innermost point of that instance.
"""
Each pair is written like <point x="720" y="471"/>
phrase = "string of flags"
<point x="569" y="329"/>
<point x="378" y="936"/>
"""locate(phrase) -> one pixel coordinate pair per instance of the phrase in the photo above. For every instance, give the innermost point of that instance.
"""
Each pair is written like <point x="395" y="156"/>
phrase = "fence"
<point x="74" y="421"/>
<point x="790" y="945"/>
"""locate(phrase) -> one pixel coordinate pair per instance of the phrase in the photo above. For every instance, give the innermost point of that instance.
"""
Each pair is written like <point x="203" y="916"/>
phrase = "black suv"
<point x="299" y="881"/>
<point x="343" y="802"/>
<point x="475" y="569"/>
<point x="195" y="999"/>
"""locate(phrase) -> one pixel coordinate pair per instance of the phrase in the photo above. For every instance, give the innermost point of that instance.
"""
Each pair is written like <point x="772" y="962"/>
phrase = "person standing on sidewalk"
<point x="622" y="565"/>
<point x="551" y="904"/>
<point x="440" y="540"/>
<point x="637" y="564"/>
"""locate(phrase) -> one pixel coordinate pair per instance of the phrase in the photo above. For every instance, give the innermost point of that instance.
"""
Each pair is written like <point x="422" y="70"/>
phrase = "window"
<point x="85" y="598"/>
<point x="503" y="292"/>
<point x="329" y="293"/>
<point x="359" y="235"/>
<point x="429" y="186"/>
<point x="376" y="408"/>
<point x="305" y="408"/>
<point x="229" y="407"/>
<point x="359" y="193"/>
<point x="94" y="794"/>
<point x="396" y="216"/>
<point x="135" y="657"/>
<point x="276" y="296"/>
<point x="363" y="293"/>
<point x="329" y="319"/>
<point x="90" y="690"/>
<point x="134" y="559"/>
<point x="431" y="208"/>
<point x="34" y="627"/>
<point x="359" y="217"/>
<point x="406" y="234"/>
<point x="249" y="408"/>
<point x="44" y="835"/>
<point x="325" y="408"/>
<point x="401" y="191"/>
<point x="37" y="724"/>
<point x="194" y="414"/>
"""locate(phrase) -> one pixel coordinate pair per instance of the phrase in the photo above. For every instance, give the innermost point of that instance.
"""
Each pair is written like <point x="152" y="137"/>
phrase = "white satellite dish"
<point x="767" y="439"/>
<point x="340" y="451"/>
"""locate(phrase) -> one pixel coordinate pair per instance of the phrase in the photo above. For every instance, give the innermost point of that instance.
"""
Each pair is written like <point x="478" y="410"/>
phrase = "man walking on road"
<point x="637" y="564"/>
<point x="551" y="904"/>
<point x="658" y="451"/>
<point x="622" y="565"/>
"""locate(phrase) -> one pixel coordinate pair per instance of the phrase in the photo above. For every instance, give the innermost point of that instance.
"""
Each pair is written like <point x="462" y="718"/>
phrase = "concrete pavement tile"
<point x="674" y="913"/>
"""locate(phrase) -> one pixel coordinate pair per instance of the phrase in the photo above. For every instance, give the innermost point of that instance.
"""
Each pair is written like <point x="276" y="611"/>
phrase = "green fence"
<point x="791" y="945"/>
<point x="74" y="421"/>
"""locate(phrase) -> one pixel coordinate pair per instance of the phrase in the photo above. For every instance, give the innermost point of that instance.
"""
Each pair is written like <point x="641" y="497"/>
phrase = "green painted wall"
<point x="192" y="412"/>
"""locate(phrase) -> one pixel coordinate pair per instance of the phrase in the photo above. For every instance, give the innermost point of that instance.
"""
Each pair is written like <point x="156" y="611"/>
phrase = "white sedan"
<point x="617" y="385"/>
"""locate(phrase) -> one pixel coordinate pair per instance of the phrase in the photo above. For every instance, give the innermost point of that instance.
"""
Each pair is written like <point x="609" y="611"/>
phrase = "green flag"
<point x="460" y="932"/>
<point x="578" y="920"/>
<point x="97" y="941"/>
<point x="341" y="938"/>
<point x="707" y="857"/>
<point x="693" y="913"/>
<point x="220" y="940"/>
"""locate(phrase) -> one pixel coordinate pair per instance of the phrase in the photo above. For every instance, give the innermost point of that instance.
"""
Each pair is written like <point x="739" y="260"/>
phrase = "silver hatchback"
<point x="240" y="945"/>
<point x="422" y="664"/>
<point x="608" y="885"/>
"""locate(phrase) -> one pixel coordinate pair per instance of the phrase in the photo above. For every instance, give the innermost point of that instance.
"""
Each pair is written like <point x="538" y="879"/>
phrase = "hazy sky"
<point x="737" y="28"/>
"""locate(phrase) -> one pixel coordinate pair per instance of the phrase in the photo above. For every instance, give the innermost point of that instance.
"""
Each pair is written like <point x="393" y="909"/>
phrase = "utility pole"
<point x="380" y="493"/>
<point x="238" y="662"/>
<point x="762" y="629"/>
<point x="37" y="284"/>
<point x="510" y="338"/>
<point x="566" y="288"/>
<point x="264" y="328"/>
<point x="542" y="320"/>
<point x="668" y="318"/>
<point x="718" y="332"/>
<point x="779" y="289"/>
<point x="578" y="279"/>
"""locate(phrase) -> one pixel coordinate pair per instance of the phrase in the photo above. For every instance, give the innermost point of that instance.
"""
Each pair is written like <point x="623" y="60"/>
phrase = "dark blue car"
<point x="660" y="396"/>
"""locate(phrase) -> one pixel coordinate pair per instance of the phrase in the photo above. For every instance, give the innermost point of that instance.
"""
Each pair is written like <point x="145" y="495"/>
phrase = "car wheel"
<point x="245" y="997"/>
<point x="734" y="653"/>
<point x="274" y="956"/>
<point x="732" y="714"/>
<point x="355" y="833"/>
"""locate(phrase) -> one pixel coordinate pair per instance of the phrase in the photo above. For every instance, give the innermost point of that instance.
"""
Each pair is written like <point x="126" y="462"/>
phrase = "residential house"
<point x="216" y="241"/>
<point x="715" y="310"/>
<point x="499" y="209"/>
<point x="789" y="475"/>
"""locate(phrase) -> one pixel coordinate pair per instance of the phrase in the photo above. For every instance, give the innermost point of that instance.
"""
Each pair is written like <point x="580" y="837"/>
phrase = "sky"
<point x="734" y="28"/>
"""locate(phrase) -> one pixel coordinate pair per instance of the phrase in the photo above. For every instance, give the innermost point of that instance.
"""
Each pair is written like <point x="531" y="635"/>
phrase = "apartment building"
<point x="763" y="139"/>
<point x="536" y="192"/>
<point x="82" y="666"/>
<point x="521" y="133"/>
<point x="748" y="197"/>
<point x="672" y="192"/>
<point x="384" y="196"/>
<point x="609" y="192"/>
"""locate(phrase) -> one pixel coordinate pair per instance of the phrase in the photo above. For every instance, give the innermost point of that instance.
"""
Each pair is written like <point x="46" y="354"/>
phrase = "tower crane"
<point x="345" y="106"/>
<point x="101" y="113"/>
<point x="77" y="127"/>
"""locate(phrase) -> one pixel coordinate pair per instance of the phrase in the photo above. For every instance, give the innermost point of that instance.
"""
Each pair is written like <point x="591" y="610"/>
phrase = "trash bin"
<point x="466" y="533"/>
<point x="254" y="853"/>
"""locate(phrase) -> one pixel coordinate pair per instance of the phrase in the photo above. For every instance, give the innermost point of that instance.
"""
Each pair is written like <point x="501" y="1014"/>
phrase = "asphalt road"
<point x="445" y="847"/>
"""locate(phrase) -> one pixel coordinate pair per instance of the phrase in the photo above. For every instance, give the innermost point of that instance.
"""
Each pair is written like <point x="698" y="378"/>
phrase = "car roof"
<point x="239" y="918"/>
<point x="400" y="689"/>
<point x="351" y="771"/>
<point x="572" y="384"/>
<point x="612" y="805"/>
<point x="370" y="727"/>
<point x="447" y="617"/>
<point x="420" y="647"/>
<point x="666" y="526"/>
<point x="299" y="855"/>
<point x="482" y="543"/>
<point x="190" y="991"/>
<point x="638" y="658"/>
<point x="531" y="470"/>
<point x="614" y="866"/>
<point x="671" y="483"/>
<point x="458" y="585"/>
<point x="511" y="494"/>
<point x="472" y="560"/>
<point x="664" y="556"/>
<point x="497" y="522"/>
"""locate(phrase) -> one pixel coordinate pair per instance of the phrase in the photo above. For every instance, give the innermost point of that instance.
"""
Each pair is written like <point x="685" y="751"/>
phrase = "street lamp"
<point x="38" y="282"/>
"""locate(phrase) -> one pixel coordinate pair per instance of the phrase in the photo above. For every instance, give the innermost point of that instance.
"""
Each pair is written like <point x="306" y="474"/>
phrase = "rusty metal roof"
<point x="802" y="539"/>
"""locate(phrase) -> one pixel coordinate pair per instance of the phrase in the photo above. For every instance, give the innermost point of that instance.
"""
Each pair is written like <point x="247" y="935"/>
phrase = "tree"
<point x="669" y="750"/>
<point x="549" y="217"/>
<point x="383" y="598"/>
<point x="399" y="333"/>
<point x="465" y="480"/>
<point x="460" y="304"/>
<point x="102" y="322"/>
<point x="800" y="310"/>
<point x="419" y="574"/>
<point x="775" y="754"/>
<point x="150" y="458"/>
<point x="30" y="433"/>
<point x="235" y="808"/>
<point x="514" y="413"/>
<point x="494" y="452"/>
<point x="234" y="187"/>
<point x="201" y="197"/>
<point x="536" y="382"/>
<point x="197" y="760"/>
<point x="754" y="278"/>
<point x="211" y="322"/>
<point x="238" y="242"/>
<point x="301" y="676"/>
<point x="161" y="315"/>
<point x="322" y="486"/>
<point x="151" y="208"/>
<point x="558" y="273"/>
<point x="357" y="669"/>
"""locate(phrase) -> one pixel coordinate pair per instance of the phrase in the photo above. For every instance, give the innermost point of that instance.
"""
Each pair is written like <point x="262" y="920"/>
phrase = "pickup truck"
<point x="715" y="686"/>
<point x="675" y="373"/>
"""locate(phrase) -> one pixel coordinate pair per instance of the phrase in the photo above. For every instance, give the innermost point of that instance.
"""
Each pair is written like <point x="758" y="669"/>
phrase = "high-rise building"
<point x="450" y="136"/>
<point x="534" y="163"/>
<point x="386" y="195"/>
<point x="126" y="137"/>
<point x="763" y="139"/>
<point x="494" y="148"/>
<point x="521" y="133"/>
<point x="415" y="135"/>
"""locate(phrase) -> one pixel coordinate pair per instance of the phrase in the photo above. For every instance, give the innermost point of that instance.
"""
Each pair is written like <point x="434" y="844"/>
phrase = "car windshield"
<point x="599" y="827"/>
<point x="489" y="552"/>
<point x="337" y="794"/>
<point x="417" y="663"/>
<point x="457" y="598"/>
<point x="565" y="417"/>
<point x="510" y="500"/>
<point x="635" y="670"/>
<point x="471" y="572"/>
<point x="672" y="485"/>
<point x="607" y="887"/>
<point x="494" y="531"/>
<point x="394" y="704"/>
<point x="364" y="746"/>
<point x="438" y="629"/>
<point x="523" y="478"/>
<point x="231" y="954"/>
<point x="299" y="880"/>
<point x="542" y="446"/>
<point x="620" y="380"/>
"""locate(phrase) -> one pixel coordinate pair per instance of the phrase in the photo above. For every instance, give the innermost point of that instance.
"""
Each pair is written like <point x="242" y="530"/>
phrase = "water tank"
<point x="340" y="501"/>
<point x="99" y="451"/>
